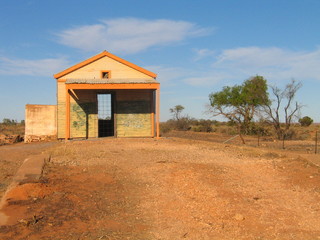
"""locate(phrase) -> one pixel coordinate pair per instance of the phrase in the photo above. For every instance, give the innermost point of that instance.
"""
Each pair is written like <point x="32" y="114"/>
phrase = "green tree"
<point x="240" y="103"/>
<point x="306" y="121"/>
<point x="176" y="112"/>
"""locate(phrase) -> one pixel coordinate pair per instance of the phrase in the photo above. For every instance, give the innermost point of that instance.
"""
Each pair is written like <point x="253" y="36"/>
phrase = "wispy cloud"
<point x="129" y="35"/>
<point x="206" y="79"/>
<point x="203" y="53"/>
<point x="274" y="63"/>
<point x="169" y="76"/>
<point x="41" y="67"/>
<point x="235" y="65"/>
<point x="172" y="76"/>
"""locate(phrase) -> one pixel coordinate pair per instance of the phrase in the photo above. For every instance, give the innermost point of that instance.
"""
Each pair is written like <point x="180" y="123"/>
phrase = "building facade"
<point x="107" y="96"/>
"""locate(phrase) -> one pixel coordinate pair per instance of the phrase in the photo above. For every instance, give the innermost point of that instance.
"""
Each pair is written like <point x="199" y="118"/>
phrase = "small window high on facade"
<point x="105" y="74"/>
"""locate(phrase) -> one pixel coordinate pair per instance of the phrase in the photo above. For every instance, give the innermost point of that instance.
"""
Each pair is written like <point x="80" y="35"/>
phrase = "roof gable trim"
<point x="101" y="55"/>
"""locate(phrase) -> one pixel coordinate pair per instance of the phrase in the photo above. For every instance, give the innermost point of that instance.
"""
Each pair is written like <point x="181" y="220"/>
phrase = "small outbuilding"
<point x="106" y="95"/>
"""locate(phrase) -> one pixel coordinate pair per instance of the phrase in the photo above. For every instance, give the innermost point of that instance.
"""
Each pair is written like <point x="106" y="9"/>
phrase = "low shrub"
<point x="291" y="134"/>
<point x="12" y="129"/>
<point x="202" y="126"/>
<point x="183" y="124"/>
<point x="305" y="121"/>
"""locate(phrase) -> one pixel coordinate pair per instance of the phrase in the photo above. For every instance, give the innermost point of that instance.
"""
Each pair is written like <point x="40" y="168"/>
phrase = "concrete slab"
<point x="30" y="171"/>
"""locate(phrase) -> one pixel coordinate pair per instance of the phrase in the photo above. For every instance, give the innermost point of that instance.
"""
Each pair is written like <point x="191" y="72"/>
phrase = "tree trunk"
<point x="240" y="134"/>
<point x="278" y="130"/>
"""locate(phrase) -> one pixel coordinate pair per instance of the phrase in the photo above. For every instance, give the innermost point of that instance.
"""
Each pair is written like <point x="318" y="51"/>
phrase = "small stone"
<point x="238" y="217"/>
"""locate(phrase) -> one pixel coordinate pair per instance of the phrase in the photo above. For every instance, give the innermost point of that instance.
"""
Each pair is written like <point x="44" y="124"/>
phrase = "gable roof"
<point x="101" y="55"/>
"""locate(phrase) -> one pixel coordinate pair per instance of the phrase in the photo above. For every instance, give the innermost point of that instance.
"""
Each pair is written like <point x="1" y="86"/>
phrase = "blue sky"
<point x="195" y="47"/>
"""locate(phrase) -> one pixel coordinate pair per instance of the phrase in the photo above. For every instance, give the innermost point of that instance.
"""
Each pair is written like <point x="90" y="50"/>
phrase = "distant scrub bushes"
<point x="11" y="127"/>
<point x="256" y="128"/>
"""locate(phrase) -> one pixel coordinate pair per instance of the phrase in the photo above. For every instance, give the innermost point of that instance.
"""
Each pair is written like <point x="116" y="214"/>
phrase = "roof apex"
<point x="101" y="55"/>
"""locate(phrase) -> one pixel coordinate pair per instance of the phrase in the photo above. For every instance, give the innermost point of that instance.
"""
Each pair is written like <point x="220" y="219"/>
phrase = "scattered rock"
<point x="239" y="217"/>
<point x="10" y="139"/>
<point x="42" y="138"/>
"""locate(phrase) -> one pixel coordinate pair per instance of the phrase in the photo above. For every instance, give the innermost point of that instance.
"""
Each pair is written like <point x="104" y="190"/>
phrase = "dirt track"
<point x="169" y="189"/>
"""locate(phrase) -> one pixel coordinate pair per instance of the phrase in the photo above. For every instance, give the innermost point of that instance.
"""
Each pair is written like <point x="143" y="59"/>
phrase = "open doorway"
<point x="105" y="115"/>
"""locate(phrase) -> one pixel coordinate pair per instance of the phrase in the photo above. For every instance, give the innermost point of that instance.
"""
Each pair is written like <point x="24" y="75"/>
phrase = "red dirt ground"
<point x="168" y="189"/>
<point x="11" y="158"/>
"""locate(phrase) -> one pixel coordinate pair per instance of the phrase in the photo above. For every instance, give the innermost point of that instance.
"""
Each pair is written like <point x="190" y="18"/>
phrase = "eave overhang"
<point x="88" y="86"/>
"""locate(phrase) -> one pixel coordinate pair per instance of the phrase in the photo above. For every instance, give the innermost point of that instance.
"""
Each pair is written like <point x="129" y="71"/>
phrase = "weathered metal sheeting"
<point x="109" y="81"/>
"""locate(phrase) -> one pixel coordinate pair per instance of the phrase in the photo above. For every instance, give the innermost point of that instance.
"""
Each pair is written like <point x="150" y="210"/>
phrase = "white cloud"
<point x="169" y="76"/>
<point x="274" y="63"/>
<point x="129" y="35"/>
<point x="208" y="79"/>
<point x="172" y="76"/>
<point x="41" y="67"/>
<point x="203" y="53"/>
<point x="232" y="66"/>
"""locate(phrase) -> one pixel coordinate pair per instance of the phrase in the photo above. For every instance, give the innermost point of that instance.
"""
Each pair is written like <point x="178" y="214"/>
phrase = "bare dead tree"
<point x="284" y="100"/>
